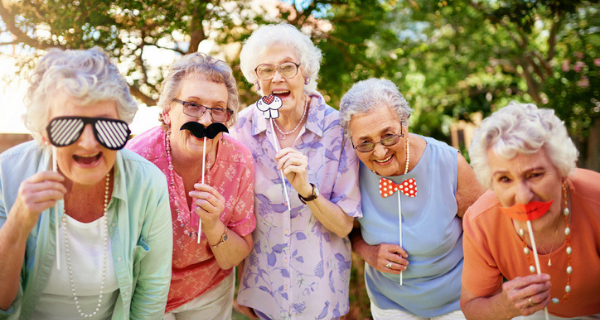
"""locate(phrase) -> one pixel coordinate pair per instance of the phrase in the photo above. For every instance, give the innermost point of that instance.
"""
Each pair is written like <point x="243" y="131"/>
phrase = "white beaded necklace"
<point x="285" y="134"/>
<point x="104" y="259"/>
<point x="407" y="154"/>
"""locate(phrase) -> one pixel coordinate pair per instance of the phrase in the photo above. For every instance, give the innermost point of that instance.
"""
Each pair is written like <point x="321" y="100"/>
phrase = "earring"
<point x="257" y="85"/>
<point x="306" y="80"/>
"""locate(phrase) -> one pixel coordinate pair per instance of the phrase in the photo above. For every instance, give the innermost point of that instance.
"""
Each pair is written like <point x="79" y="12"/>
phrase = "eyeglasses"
<point x="195" y="110"/>
<point x="387" y="141"/>
<point x="110" y="133"/>
<point x="286" y="70"/>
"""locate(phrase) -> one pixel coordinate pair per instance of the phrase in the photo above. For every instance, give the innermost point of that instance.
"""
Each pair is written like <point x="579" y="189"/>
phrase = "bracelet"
<point x="223" y="238"/>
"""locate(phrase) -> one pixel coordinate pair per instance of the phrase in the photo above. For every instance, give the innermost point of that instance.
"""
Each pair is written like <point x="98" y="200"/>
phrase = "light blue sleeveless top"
<point x="431" y="235"/>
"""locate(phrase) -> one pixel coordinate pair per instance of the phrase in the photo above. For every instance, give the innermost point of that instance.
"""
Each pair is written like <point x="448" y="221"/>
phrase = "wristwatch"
<point x="223" y="239"/>
<point x="315" y="194"/>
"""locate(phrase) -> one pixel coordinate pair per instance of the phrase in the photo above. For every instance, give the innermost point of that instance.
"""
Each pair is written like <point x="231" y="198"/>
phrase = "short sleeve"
<point x="345" y="192"/>
<point x="243" y="219"/>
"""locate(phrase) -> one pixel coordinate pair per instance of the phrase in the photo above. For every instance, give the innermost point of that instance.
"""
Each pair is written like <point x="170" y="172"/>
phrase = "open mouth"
<point x="384" y="160"/>
<point x="88" y="159"/>
<point x="281" y="93"/>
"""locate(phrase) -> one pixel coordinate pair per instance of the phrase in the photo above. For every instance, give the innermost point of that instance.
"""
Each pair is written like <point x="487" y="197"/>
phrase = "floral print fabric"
<point x="298" y="269"/>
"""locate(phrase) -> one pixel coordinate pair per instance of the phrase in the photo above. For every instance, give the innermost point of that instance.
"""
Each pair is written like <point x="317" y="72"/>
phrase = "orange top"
<point x="493" y="249"/>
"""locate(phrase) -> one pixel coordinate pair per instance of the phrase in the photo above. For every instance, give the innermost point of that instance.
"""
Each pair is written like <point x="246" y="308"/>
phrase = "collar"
<point x="315" y="121"/>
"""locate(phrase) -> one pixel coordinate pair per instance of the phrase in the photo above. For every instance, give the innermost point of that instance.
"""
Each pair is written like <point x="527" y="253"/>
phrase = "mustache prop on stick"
<point x="269" y="105"/>
<point x="200" y="131"/>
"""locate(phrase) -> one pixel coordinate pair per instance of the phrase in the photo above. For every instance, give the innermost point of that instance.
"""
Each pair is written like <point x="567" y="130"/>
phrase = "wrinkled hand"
<point x="36" y="194"/>
<point x="247" y="311"/>
<point x="209" y="204"/>
<point x="526" y="295"/>
<point x="294" y="166"/>
<point x="379" y="257"/>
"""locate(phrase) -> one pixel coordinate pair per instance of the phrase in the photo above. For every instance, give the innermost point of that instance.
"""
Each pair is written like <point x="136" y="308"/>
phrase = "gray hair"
<point x="85" y="75"/>
<point x="287" y="35"/>
<point x="522" y="128"/>
<point x="368" y="95"/>
<point x="199" y="64"/>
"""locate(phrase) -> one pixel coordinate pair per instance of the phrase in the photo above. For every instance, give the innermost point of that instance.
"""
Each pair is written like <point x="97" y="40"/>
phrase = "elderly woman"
<point x="114" y="233"/>
<point x="201" y="90"/>
<point x="300" y="265"/>
<point x="524" y="155"/>
<point x="414" y="192"/>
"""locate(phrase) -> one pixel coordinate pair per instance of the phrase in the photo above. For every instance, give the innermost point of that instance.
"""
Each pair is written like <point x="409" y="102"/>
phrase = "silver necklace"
<point x="104" y="259"/>
<point x="285" y="134"/>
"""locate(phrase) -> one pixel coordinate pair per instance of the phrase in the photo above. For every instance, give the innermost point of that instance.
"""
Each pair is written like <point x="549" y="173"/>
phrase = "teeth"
<point x="384" y="160"/>
<point x="280" y="92"/>
<point x="90" y="156"/>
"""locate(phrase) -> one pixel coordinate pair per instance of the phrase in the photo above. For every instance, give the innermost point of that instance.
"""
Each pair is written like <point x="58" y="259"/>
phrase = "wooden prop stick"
<point x="55" y="169"/>
<point x="535" y="256"/>
<point x="400" y="225"/>
<point x="203" y="167"/>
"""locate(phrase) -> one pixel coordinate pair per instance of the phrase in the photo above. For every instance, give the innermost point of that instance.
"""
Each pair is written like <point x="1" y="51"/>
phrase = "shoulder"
<point x="484" y="211"/>
<point x="145" y="143"/>
<point x="22" y="157"/>
<point x="137" y="169"/>
<point x="24" y="149"/>
<point x="586" y="183"/>
<point x="237" y="151"/>
<point x="440" y="146"/>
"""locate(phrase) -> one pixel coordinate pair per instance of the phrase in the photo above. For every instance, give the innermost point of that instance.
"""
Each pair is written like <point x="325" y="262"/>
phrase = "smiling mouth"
<point x="88" y="159"/>
<point x="384" y="160"/>
<point x="281" y="93"/>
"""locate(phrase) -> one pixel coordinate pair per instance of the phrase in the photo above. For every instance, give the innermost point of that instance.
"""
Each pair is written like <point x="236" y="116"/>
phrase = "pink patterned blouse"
<point x="195" y="269"/>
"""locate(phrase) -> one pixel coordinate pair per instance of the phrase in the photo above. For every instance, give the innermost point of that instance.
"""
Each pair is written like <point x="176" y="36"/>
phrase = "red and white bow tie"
<point x="387" y="187"/>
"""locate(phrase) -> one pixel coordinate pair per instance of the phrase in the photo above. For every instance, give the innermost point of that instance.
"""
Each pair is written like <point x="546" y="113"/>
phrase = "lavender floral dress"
<point x="298" y="269"/>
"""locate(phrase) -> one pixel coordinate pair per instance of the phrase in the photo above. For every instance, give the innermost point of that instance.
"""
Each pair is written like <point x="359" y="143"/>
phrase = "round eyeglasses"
<point x="286" y="70"/>
<point x="387" y="141"/>
<point x="195" y="110"/>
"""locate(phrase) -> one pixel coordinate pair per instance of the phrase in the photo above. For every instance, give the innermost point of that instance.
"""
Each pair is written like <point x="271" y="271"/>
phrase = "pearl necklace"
<point x="104" y="259"/>
<point x="285" y="134"/>
<point x="183" y="223"/>
<point x="569" y="269"/>
<point x="407" y="154"/>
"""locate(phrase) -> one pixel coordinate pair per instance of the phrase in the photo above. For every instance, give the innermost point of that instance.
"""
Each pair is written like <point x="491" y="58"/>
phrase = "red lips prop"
<point x="527" y="212"/>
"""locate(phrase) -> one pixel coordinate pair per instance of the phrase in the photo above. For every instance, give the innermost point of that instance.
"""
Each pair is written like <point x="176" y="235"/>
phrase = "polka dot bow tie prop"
<point x="387" y="187"/>
<point x="408" y="187"/>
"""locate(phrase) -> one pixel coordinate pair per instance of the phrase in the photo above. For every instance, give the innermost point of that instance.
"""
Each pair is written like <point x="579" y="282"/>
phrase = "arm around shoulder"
<point x="468" y="188"/>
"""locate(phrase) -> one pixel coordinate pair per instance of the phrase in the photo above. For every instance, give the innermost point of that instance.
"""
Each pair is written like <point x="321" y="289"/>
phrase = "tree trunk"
<point x="593" y="153"/>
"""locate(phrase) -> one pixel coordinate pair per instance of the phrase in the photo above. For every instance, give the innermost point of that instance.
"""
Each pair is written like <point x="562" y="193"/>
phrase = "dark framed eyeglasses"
<point x="195" y="110"/>
<point x="387" y="141"/>
<point x="286" y="70"/>
<point x="110" y="133"/>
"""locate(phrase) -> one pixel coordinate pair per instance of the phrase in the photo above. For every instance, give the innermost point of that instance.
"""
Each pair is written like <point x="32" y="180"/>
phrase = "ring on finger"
<point x="530" y="302"/>
<point x="389" y="265"/>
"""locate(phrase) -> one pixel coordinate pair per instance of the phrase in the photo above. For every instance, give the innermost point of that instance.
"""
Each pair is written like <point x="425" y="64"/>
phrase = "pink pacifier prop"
<point x="270" y="105"/>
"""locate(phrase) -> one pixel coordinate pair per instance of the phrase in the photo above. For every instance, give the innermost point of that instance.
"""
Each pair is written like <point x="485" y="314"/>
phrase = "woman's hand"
<point x="209" y="204"/>
<point x="526" y="295"/>
<point x="247" y="311"/>
<point x="380" y="256"/>
<point x="36" y="194"/>
<point x="294" y="166"/>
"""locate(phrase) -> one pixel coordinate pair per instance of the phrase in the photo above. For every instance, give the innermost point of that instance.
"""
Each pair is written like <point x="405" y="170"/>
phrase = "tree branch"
<point x="135" y="91"/>
<point x="22" y="37"/>
<point x="552" y="37"/>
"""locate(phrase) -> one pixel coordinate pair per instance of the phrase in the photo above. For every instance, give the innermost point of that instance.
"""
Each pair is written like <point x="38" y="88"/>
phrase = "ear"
<point x="166" y="118"/>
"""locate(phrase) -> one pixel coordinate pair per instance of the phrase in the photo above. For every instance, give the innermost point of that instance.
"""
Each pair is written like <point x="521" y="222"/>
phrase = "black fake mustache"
<point x="199" y="131"/>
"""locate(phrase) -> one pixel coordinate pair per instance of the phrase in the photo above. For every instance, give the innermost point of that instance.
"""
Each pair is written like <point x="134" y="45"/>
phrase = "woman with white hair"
<point x="210" y="185"/>
<point x="414" y="192"/>
<point x="299" y="267"/>
<point x="111" y="222"/>
<point x="526" y="158"/>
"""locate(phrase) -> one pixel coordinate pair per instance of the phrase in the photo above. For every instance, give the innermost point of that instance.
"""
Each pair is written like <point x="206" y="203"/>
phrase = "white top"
<point x="86" y="255"/>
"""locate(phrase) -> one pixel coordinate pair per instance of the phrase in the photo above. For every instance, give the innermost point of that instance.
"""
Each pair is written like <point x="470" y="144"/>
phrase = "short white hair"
<point x="368" y="95"/>
<point x="281" y="34"/>
<point x="198" y="65"/>
<point x="85" y="75"/>
<point x="522" y="128"/>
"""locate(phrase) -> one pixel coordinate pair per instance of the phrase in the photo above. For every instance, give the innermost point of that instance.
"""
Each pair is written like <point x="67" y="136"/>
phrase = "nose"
<point x="205" y="119"/>
<point x="379" y="151"/>
<point x="523" y="193"/>
<point x="277" y="76"/>
<point x="87" y="140"/>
